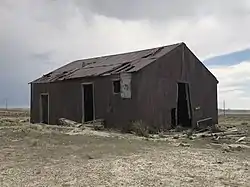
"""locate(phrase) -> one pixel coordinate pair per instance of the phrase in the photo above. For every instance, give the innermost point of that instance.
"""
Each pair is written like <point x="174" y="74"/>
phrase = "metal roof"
<point x="106" y="65"/>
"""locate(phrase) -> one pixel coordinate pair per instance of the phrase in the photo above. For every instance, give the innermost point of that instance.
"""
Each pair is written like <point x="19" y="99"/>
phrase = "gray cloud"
<point x="142" y="9"/>
<point x="164" y="10"/>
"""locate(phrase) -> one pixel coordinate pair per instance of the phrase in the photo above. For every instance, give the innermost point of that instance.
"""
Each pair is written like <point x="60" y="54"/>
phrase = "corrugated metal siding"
<point x="66" y="101"/>
<point x="157" y="88"/>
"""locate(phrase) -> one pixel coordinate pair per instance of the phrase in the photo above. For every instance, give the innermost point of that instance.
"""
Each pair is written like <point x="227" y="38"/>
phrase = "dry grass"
<point x="14" y="113"/>
<point x="36" y="155"/>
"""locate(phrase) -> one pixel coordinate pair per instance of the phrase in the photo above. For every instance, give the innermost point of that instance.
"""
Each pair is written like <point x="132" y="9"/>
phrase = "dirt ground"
<point x="36" y="155"/>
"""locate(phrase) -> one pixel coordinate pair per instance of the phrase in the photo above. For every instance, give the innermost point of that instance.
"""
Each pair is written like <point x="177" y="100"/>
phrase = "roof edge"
<point x="110" y="55"/>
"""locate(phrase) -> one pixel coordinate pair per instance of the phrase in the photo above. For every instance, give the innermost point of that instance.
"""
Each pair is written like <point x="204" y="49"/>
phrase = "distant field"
<point x="220" y="111"/>
<point x="234" y="112"/>
<point x="15" y="109"/>
<point x="14" y="112"/>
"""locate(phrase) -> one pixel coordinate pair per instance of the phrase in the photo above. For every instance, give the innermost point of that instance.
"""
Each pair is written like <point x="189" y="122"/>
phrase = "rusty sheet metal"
<point x="107" y="65"/>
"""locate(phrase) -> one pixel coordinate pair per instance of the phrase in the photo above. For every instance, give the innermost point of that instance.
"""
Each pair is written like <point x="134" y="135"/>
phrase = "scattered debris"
<point x="226" y="148"/>
<point x="79" y="126"/>
<point x="216" y="138"/>
<point x="244" y="123"/>
<point x="191" y="137"/>
<point x="184" y="144"/>
<point x="67" y="122"/>
<point x="95" y="124"/>
<point x="37" y="172"/>
<point x="161" y="135"/>
<point x="50" y="127"/>
<point x="24" y="120"/>
<point x="204" y="123"/>
<point x="219" y="162"/>
<point x="234" y="147"/>
<point x="216" y="128"/>
<point x="176" y="136"/>
<point x="241" y="139"/>
<point x="89" y="157"/>
<point x="225" y="133"/>
<point x="238" y="147"/>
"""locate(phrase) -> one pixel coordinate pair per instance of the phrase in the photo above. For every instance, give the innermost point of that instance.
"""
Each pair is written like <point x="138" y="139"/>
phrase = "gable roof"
<point x="107" y="65"/>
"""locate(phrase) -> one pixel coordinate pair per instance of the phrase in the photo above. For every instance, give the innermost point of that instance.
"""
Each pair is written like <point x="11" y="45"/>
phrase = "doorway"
<point x="184" y="116"/>
<point x="44" y="108"/>
<point x="88" y="102"/>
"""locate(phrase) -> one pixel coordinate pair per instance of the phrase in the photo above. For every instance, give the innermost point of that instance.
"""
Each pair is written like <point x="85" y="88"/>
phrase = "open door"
<point x="184" y="113"/>
<point x="88" y="102"/>
<point x="44" y="108"/>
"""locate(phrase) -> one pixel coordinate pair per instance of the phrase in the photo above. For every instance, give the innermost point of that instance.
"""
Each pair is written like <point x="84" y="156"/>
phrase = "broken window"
<point x="116" y="86"/>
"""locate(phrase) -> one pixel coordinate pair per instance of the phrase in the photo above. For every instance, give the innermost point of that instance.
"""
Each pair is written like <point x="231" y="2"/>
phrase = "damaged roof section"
<point x="106" y="65"/>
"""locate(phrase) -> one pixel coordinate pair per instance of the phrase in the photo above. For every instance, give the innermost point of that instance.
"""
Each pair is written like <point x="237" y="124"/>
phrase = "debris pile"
<point x="229" y="139"/>
<point x="234" y="147"/>
<point x="67" y="123"/>
<point x="217" y="134"/>
<point x="95" y="124"/>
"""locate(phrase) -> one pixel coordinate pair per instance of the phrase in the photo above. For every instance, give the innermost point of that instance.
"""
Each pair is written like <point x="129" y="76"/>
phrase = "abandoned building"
<point x="162" y="87"/>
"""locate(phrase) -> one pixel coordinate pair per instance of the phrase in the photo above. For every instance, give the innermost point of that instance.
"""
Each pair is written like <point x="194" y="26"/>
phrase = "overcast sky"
<point x="37" y="36"/>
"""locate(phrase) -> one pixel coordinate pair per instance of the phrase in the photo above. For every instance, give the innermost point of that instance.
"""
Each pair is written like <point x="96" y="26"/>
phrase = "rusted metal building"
<point x="162" y="87"/>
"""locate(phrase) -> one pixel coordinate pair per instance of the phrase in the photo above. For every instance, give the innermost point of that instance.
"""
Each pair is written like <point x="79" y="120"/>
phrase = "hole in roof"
<point x="153" y="52"/>
<point x="91" y="63"/>
<point x="148" y="55"/>
<point x="158" y="50"/>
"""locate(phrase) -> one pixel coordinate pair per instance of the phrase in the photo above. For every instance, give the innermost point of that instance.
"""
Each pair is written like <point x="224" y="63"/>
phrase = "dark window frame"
<point x="116" y="86"/>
